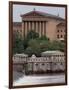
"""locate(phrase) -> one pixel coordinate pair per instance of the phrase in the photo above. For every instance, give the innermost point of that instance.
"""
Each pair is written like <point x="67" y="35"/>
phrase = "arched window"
<point x="43" y="64"/>
<point x="36" y="64"/>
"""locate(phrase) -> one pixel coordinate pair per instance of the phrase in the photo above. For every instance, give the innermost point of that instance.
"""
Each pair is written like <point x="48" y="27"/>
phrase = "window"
<point x="60" y="55"/>
<point x="36" y="64"/>
<point x="57" y="36"/>
<point x="57" y="30"/>
<point x="61" y="36"/>
<point x="61" y="30"/>
<point x="43" y="64"/>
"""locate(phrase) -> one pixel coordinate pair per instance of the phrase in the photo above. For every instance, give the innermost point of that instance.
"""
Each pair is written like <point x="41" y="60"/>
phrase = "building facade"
<point x="60" y="31"/>
<point x="17" y="27"/>
<point x="47" y="63"/>
<point x="43" y="23"/>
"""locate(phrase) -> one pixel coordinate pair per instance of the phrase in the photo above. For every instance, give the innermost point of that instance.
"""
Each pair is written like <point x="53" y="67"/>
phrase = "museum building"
<point x="43" y="23"/>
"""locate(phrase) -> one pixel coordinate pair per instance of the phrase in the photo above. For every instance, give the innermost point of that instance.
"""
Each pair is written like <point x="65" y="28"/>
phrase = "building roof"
<point x="21" y="55"/>
<point x="61" y="24"/>
<point x="56" y="52"/>
<point x="17" y="23"/>
<point x="42" y="14"/>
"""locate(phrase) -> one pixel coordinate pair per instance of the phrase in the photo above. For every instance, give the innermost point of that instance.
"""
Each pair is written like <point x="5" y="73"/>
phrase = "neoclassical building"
<point x="50" y="61"/>
<point x="43" y="23"/>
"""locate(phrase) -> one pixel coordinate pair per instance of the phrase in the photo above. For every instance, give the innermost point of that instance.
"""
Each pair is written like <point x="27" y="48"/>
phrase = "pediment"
<point x="38" y="14"/>
<point x="33" y="14"/>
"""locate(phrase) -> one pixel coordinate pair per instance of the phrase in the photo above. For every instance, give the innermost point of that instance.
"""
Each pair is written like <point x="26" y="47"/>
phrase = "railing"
<point x="38" y="59"/>
<point x="50" y="64"/>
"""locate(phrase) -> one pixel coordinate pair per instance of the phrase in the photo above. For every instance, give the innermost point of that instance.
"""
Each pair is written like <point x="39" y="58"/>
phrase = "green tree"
<point x="33" y="47"/>
<point x="44" y="45"/>
<point x="25" y="42"/>
<point x="17" y="43"/>
<point x="44" y="38"/>
<point x="33" y="44"/>
<point x="57" y="45"/>
<point x="28" y="51"/>
<point x="32" y="34"/>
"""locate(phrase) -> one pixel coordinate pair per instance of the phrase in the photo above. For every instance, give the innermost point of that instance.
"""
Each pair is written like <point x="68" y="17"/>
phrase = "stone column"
<point x="29" y="26"/>
<point x="40" y="28"/>
<point x="43" y="29"/>
<point x="23" y="29"/>
<point x="36" y="26"/>
<point x="32" y="25"/>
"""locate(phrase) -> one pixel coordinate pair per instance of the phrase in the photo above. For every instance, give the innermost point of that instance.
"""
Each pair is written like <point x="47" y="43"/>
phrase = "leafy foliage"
<point x="32" y="35"/>
<point x="17" y="43"/>
<point x="33" y="44"/>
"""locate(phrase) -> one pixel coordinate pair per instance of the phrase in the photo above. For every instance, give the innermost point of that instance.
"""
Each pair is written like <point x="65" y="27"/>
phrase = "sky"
<point x="22" y="9"/>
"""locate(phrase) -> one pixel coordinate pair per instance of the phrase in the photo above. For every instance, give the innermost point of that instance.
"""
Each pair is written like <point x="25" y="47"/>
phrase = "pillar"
<point x="23" y="29"/>
<point x="33" y="25"/>
<point x="36" y="26"/>
<point x="40" y="28"/>
<point x="29" y="25"/>
<point x="43" y="28"/>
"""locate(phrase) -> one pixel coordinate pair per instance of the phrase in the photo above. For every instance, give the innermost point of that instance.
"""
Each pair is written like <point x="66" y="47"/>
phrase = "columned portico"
<point x="37" y="26"/>
<point x="42" y="23"/>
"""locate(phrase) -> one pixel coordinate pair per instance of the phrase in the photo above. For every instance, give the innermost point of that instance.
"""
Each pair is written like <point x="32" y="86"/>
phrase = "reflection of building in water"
<point x="50" y="61"/>
<point x="43" y="23"/>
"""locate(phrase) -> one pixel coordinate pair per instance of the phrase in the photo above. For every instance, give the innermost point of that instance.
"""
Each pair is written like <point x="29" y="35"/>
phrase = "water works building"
<point x="51" y="61"/>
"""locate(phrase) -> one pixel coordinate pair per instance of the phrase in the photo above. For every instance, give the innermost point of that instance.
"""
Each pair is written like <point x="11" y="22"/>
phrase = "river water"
<point x="20" y="79"/>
